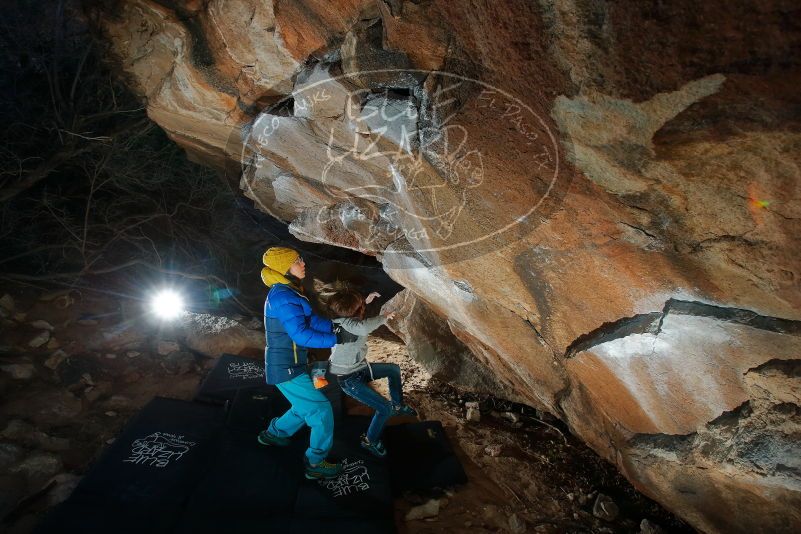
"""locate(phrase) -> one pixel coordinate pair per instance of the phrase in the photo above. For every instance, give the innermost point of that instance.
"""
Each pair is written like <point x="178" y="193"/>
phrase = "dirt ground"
<point x="65" y="400"/>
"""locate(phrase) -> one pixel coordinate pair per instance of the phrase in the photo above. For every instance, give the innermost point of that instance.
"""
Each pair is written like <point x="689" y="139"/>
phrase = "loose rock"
<point x="38" y="467"/>
<point x="41" y="324"/>
<point x="55" y="359"/>
<point x="516" y="525"/>
<point x="646" y="527"/>
<point x="19" y="371"/>
<point x="26" y="434"/>
<point x="605" y="508"/>
<point x="40" y="339"/>
<point x="473" y="415"/>
<point x="9" y="455"/>
<point x="65" y="485"/>
<point x="493" y="450"/>
<point x="511" y="416"/>
<point x="166" y="347"/>
<point x="7" y="302"/>
<point x="424" y="511"/>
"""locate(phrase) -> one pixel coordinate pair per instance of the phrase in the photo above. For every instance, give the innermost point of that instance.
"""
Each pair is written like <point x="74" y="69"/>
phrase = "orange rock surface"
<point x="595" y="207"/>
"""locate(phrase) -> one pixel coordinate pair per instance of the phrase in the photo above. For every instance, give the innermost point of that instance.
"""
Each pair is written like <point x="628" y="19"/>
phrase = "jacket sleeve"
<point x="298" y="327"/>
<point x="363" y="327"/>
<point x="320" y="323"/>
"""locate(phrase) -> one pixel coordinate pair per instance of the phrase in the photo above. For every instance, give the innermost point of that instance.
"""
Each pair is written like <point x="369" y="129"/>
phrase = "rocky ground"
<point x="526" y="472"/>
<point x="74" y="367"/>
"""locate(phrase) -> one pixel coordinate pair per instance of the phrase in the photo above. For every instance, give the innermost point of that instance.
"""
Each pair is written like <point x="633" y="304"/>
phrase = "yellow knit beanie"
<point x="277" y="261"/>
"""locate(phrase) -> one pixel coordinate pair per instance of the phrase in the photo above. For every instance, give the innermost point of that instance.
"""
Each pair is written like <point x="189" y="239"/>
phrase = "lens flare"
<point x="167" y="304"/>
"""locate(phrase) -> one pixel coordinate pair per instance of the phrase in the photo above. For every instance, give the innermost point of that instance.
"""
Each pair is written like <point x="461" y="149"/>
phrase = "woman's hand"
<point x="372" y="296"/>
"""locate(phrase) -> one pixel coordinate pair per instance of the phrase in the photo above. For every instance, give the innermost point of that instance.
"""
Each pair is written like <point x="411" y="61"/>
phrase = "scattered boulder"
<point x="38" y="467"/>
<point x="131" y="376"/>
<point x="7" y="303"/>
<point x="214" y="335"/>
<point x="55" y="359"/>
<point x="424" y="511"/>
<point x="19" y="371"/>
<point x="44" y="407"/>
<point x="133" y="354"/>
<point x="9" y="455"/>
<point x="646" y="527"/>
<point x="65" y="483"/>
<point x="605" y="508"/>
<point x="98" y="391"/>
<point x="41" y="324"/>
<point x="516" y="525"/>
<point x="53" y="343"/>
<point x="512" y="417"/>
<point x="494" y="449"/>
<point x="118" y="402"/>
<point x="179" y="363"/>
<point x="473" y="414"/>
<point x="26" y="434"/>
<point x="40" y="339"/>
<point x="167" y="347"/>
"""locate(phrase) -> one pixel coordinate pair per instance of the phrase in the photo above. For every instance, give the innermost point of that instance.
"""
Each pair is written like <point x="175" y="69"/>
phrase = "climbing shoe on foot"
<point x="405" y="410"/>
<point x="322" y="470"/>
<point x="376" y="448"/>
<point x="265" y="438"/>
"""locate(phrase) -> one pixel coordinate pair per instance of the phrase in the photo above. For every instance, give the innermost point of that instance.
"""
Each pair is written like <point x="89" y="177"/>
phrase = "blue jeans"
<point x="309" y="407"/>
<point x="355" y="385"/>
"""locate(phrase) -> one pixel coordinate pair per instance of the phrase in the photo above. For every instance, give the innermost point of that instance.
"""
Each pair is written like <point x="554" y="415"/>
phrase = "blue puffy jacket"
<point x="291" y="328"/>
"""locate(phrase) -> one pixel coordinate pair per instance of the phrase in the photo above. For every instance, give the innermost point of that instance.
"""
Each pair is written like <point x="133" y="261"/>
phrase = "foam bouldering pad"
<point x="363" y="490"/>
<point x="252" y="408"/>
<point x="146" y="477"/>
<point x="247" y="487"/>
<point x="420" y="457"/>
<point x="255" y="488"/>
<point x="229" y="374"/>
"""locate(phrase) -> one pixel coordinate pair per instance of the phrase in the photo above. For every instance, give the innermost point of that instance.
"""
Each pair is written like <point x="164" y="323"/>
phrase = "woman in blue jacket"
<point x="291" y="328"/>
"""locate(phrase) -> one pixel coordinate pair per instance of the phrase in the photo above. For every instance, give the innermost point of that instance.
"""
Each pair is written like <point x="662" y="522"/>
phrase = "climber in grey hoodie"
<point x="348" y="361"/>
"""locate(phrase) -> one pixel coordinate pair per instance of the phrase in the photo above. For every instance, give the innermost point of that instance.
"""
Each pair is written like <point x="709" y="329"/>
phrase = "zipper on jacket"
<point x="295" y="350"/>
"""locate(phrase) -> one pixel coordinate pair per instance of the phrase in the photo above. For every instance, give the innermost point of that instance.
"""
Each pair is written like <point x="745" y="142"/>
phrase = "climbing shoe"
<point x="265" y="438"/>
<point x="405" y="410"/>
<point x="376" y="448"/>
<point x="322" y="470"/>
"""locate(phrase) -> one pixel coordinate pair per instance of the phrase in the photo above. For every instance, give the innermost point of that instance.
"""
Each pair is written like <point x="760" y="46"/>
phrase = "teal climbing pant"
<point x="309" y="407"/>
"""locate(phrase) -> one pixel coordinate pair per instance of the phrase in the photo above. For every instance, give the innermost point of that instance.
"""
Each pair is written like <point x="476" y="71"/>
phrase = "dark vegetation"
<point x="89" y="186"/>
<point x="94" y="194"/>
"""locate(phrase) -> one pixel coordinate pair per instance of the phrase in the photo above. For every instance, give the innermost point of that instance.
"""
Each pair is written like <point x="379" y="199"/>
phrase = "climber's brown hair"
<point x="339" y="299"/>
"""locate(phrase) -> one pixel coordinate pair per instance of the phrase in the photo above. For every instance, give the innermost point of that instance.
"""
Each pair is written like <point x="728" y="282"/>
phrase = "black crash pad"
<point x="362" y="491"/>
<point x="420" y="457"/>
<point x="252" y="408"/>
<point x="229" y="374"/>
<point x="143" y="481"/>
<point x="256" y="488"/>
<point x="248" y="487"/>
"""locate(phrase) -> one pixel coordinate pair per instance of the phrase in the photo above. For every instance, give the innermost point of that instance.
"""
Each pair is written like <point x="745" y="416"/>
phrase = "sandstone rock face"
<point x="595" y="206"/>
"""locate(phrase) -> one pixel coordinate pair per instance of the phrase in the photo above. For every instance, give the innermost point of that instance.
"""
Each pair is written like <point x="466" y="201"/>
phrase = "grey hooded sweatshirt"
<point x="347" y="358"/>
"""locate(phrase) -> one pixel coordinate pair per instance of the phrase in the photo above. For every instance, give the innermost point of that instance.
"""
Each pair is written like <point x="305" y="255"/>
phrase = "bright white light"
<point x="167" y="304"/>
